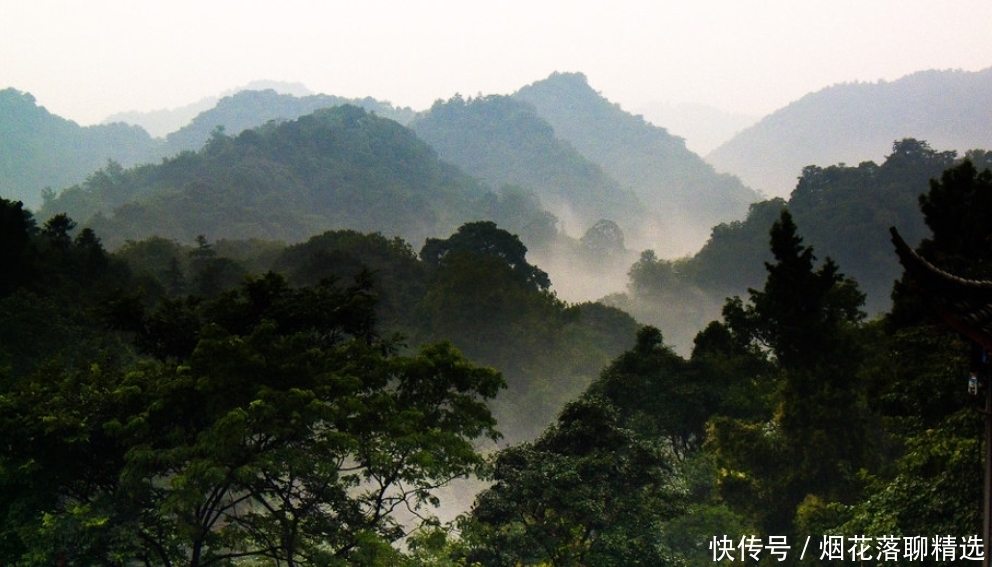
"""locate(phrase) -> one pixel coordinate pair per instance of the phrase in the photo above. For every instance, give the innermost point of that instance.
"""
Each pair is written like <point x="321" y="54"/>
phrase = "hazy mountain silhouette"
<point x="248" y="109"/>
<point x="502" y="141"/>
<point x="843" y="212"/>
<point x="39" y="149"/>
<point x="162" y="122"/>
<point x="159" y="123"/>
<point x="851" y="123"/>
<point x="681" y="190"/>
<point x="336" y="168"/>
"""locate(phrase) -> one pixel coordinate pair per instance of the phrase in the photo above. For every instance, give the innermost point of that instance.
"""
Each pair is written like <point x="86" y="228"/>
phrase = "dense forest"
<point x="845" y="212"/>
<point x="337" y="167"/>
<point x="331" y="338"/>
<point x="247" y="402"/>
<point x="39" y="150"/>
<point x="583" y="157"/>
<point x="503" y="141"/>
<point x="683" y="193"/>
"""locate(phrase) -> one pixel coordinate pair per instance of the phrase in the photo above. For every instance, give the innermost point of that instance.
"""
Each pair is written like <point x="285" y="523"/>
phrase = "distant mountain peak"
<point x="667" y="177"/>
<point x="572" y="89"/>
<point x="573" y="78"/>
<point x="281" y="87"/>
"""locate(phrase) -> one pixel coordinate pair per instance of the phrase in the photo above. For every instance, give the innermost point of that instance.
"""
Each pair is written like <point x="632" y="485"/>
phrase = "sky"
<point x="86" y="60"/>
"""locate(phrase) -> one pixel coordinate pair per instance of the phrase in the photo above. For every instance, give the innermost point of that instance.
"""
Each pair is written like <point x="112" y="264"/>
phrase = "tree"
<point x="485" y="239"/>
<point x="56" y="231"/>
<point x="587" y="492"/>
<point x="603" y="239"/>
<point x="957" y="209"/>
<point x="656" y="394"/>
<point x="212" y="274"/>
<point x="285" y="430"/>
<point x="917" y="376"/>
<point x="17" y="226"/>
<point x="807" y="320"/>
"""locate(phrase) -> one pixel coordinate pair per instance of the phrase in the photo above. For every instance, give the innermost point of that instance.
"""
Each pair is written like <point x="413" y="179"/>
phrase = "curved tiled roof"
<point x="964" y="304"/>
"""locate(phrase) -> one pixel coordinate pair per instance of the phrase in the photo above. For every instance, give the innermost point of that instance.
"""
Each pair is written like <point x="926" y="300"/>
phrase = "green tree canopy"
<point x="284" y="429"/>
<point x="484" y="238"/>
<point x="587" y="492"/>
<point x="813" y="439"/>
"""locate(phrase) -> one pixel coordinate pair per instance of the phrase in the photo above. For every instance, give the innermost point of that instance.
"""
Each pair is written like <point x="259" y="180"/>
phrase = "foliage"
<point x="863" y="429"/>
<point x="39" y="150"/>
<point x="503" y="141"/>
<point x="547" y="350"/>
<point x="936" y="488"/>
<point x="496" y="307"/>
<point x="957" y="210"/>
<point x="52" y="282"/>
<point x="917" y="377"/>
<point x="483" y="238"/>
<point x="338" y="167"/>
<point x="654" y="163"/>
<point x="587" y="492"/>
<point x="845" y="212"/>
<point x="287" y="431"/>
<point x="682" y="296"/>
<point x="814" y="437"/>
<point x="656" y="394"/>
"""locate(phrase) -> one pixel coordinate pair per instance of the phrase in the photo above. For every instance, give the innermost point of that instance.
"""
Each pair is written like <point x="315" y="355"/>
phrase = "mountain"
<point x="851" y="123"/>
<point x="843" y="212"/>
<point x="502" y="141"/>
<point x="159" y="123"/>
<point x="340" y="168"/>
<point x="680" y="189"/>
<point x="41" y="150"/>
<point x="248" y="109"/>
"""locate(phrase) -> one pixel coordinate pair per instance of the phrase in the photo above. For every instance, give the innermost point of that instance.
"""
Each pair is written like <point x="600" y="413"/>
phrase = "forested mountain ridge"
<point x="843" y="211"/>
<point x="214" y="413"/>
<point x="40" y="150"/>
<point x="849" y="123"/>
<point x="685" y="195"/>
<point x="503" y="141"/>
<point x="336" y="168"/>
<point x="162" y="122"/>
<point x="275" y="420"/>
<point x="249" y="109"/>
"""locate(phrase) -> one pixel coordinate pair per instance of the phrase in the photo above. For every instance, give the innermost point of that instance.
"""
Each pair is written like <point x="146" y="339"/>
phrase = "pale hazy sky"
<point x="85" y="60"/>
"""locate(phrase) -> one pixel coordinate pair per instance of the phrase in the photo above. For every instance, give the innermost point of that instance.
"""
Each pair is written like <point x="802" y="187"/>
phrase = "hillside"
<point x="851" y="123"/>
<point x="162" y="122"/>
<point x="843" y="212"/>
<point x="39" y="149"/>
<point x="250" y="108"/>
<point x="681" y="190"/>
<point x="502" y="141"/>
<point x="336" y="168"/>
